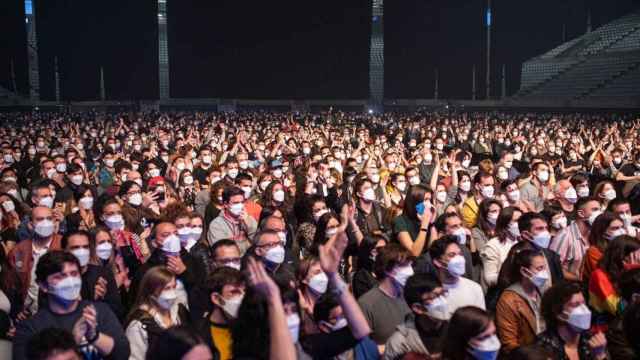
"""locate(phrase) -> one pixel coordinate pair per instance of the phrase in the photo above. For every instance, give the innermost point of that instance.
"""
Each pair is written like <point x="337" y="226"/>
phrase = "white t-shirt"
<point x="465" y="292"/>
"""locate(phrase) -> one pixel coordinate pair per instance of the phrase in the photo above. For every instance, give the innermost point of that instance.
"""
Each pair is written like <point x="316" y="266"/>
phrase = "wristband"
<point x="94" y="338"/>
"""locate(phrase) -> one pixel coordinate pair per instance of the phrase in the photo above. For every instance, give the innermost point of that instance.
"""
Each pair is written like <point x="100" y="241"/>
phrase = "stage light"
<point x="370" y="111"/>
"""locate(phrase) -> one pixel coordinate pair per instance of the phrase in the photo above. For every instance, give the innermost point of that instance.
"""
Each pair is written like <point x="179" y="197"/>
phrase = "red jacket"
<point x="21" y="258"/>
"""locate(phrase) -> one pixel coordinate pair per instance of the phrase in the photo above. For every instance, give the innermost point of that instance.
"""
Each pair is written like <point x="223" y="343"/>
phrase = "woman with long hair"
<point x="621" y="254"/>
<point x="179" y="343"/>
<point x="606" y="227"/>
<point x="471" y="334"/>
<point x="364" y="279"/>
<point x="308" y="214"/>
<point x="605" y="191"/>
<point x="156" y="308"/>
<point x="215" y="206"/>
<point x="485" y="228"/>
<point x="496" y="250"/>
<point x="518" y="311"/>
<point x="412" y="228"/>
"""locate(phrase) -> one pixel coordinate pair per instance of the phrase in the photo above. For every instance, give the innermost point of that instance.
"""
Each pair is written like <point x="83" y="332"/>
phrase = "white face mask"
<point x="293" y="323"/>
<point x="232" y="306"/>
<point x="461" y="234"/>
<point x="44" y="228"/>
<point x="580" y="318"/>
<point x="46" y="202"/>
<point x="571" y="195"/>
<point x="540" y="278"/>
<point x="414" y="180"/>
<point x="331" y="232"/>
<point x="487" y="191"/>
<point x="171" y="244"/>
<point x="514" y="230"/>
<point x="82" y="255"/>
<point x="188" y="180"/>
<point x="610" y="194"/>
<point x="541" y="240"/>
<point x="594" y="216"/>
<point x="114" y="222"/>
<point x="401" y="186"/>
<point x="441" y="196"/>
<point x="103" y="251"/>
<point x="375" y="178"/>
<point x="560" y="223"/>
<point x="135" y="199"/>
<point x="86" y="203"/>
<point x="318" y="214"/>
<point x="438" y="308"/>
<point x="456" y="266"/>
<point x="543" y="176"/>
<point x="77" y="179"/>
<point x="465" y="186"/>
<point x="278" y="195"/>
<point x="492" y="218"/>
<point x="154" y="172"/>
<point x="319" y="283"/>
<point x="514" y="196"/>
<point x="583" y="191"/>
<point x="167" y="298"/>
<point x="184" y="234"/>
<point x="369" y="195"/>
<point x="402" y="274"/>
<point x="67" y="289"/>
<point x="615" y="234"/>
<point x="237" y="209"/>
<point x="275" y="255"/>
<point x="8" y="206"/>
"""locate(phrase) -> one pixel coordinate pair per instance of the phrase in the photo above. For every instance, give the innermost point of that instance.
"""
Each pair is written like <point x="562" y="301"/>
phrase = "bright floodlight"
<point x="370" y="111"/>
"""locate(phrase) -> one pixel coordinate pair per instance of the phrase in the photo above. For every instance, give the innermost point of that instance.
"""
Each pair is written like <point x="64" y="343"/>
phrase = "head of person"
<point x="326" y="228"/>
<point x="426" y="297"/>
<point x="533" y="228"/>
<point x="418" y="200"/>
<point x="233" y="201"/>
<point x="166" y="238"/>
<point x="363" y="189"/>
<point x="605" y="191"/>
<point x="621" y="207"/>
<point x="52" y="343"/>
<point x="507" y="223"/>
<point x="102" y="245"/>
<point x="629" y="286"/>
<point x="488" y="214"/>
<point x="529" y="267"/>
<point x="226" y="287"/>
<point x="617" y="253"/>
<point x="268" y="247"/>
<point x="483" y="184"/>
<point x="580" y="182"/>
<point x="328" y="315"/>
<point x="78" y="243"/>
<point x="565" y="192"/>
<point x="563" y="305"/>
<point x="41" y="195"/>
<point x="368" y="251"/>
<point x="541" y="172"/>
<point x="471" y="334"/>
<point x="157" y="290"/>
<point x="310" y="276"/>
<point x="131" y="193"/>
<point x="179" y="342"/>
<point x="226" y="252"/>
<point x="605" y="228"/>
<point x="394" y="263"/>
<point x="110" y="213"/>
<point x="555" y="216"/>
<point x="446" y="255"/>
<point x="42" y="223"/>
<point x="276" y="223"/>
<point x="58" y="276"/>
<point x="588" y="209"/>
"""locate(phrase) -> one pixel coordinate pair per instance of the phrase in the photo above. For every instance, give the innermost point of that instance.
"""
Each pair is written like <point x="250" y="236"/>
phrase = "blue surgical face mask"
<point x="420" y="208"/>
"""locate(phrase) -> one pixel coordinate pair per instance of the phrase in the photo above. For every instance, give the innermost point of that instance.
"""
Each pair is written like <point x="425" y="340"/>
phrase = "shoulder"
<point x="470" y="285"/>
<point x="369" y="298"/>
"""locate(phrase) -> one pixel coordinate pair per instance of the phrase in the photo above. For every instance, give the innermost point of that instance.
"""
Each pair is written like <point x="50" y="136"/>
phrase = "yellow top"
<point x="222" y="341"/>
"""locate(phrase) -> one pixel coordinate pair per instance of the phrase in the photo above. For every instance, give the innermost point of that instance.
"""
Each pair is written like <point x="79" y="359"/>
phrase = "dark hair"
<point x="555" y="298"/>
<point x="466" y="323"/>
<point x="598" y="229"/>
<point x="504" y="219"/>
<point x="612" y="261"/>
<point x="53" y="262"/>
<point x="617" y="202"/>
<point x="483" y="210"/>
<point x="367" y="245"/>
<point x="522" y="258"/>
<point x="525" y="221"/>
<point x="415" y="195"/>
<point x="582" y="202"/>
<point x="629" y="284"/>
<point x="323" y="307"/>
<point x="50" y="341"/>
<point x="578" y="179"/>
<point x="223" y="276"/>
<point x="242" y="176"/>
<point x="388" y="257"/>
<point x="126" y="186"/>
<point x="65" y="239"/>
<point x="531" y="352"/>
<point x="174" y="343"/>
<point x="230" y="191"/>
<point x="550" y="210"/>
<point x="441" y="221"/>
<point x="439" y="247"/>
<point x="320" y="236"/>
<point x="631" y="326"/>
<point x="419" y="284"/>
<point x="220" y="243"/>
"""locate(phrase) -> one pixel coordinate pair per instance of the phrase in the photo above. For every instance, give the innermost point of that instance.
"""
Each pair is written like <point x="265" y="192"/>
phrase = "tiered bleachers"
<point x="609" y="34"/>
<point x="627" y="85"/>
<point x="629" y="43"/>
<point x="536" y="72"/>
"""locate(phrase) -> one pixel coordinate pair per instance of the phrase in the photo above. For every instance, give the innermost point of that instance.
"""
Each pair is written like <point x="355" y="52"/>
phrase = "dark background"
<point x="286" y="48"/>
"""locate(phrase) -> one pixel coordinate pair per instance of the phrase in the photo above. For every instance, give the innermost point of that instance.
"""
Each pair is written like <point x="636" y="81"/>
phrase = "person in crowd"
<point x="567" y="319"/>
<point x="424" y="329"/>
<point x="233" y="222"/>
<point x="412" y="229"/>
<point x="518" y="317"/>
<point x="539" y="188"/>
<point x="622" y="208"/>
<point x="495" y="251"/>
<point x="605" y="191"/>
<point x="573" y="241"/>
<point x="483" y="188"/>
<point x="620" y="346"/>
<point x="364" y="278"/>
<point x="98" y="283"/>
<point x="485" y="228"/>
<point x="471" y="334"/>
<point x="95" y="328"/>
<point x="51" y="344"/>
<point x="605" y="228"/>
<point x="447" y="258"/>
<point x="384" y="306"/>
<point x="622" y="254"/>
<point x="155" y="308"/>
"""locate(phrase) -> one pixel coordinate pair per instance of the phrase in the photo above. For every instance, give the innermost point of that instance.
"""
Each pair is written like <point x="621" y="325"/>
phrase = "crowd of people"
<point x="319" y="236"/>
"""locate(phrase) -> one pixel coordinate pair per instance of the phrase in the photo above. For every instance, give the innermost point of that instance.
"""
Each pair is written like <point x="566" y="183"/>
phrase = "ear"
<point x="418" y="309"/>
<point x="216" y="299"/>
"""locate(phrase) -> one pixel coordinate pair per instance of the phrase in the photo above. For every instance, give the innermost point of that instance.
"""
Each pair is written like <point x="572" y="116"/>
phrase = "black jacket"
<point x="112" y="297"/>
